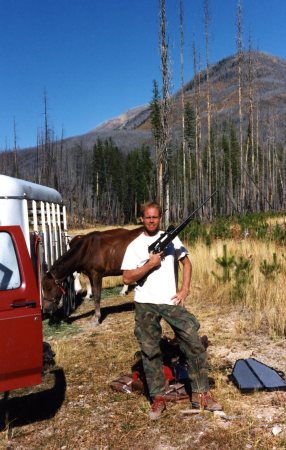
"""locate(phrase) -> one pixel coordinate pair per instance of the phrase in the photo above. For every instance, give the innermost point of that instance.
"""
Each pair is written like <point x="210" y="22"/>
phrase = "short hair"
<point x="151" y="204"/>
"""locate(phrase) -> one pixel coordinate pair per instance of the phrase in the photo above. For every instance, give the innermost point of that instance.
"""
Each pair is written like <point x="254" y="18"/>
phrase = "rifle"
<point x="166" y="237"/>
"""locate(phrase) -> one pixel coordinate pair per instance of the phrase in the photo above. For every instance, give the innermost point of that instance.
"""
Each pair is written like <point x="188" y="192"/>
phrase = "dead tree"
<point x="163" y="192"/>
<point x="185" y="152"/>
<point x="198" y="128"/>
<point x="239" y="58"/>
<point x="15" y="150"/>
<point x="208" y="98"/>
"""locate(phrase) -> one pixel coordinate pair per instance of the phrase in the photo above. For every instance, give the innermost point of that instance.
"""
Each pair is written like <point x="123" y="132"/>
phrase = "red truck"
<point x="21" y="340"/>
<point x="33" y="234"/>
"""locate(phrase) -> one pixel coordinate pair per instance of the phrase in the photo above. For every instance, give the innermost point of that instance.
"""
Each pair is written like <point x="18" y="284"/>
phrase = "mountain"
<point x="125" y="130"/>
<point x="253" y="176"/>
<point x="133" y="128"/>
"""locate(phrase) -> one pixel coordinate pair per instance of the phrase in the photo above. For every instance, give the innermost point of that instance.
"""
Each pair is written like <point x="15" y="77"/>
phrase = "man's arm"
<point x="182" y="293"/>
<point x="131" y="276"/>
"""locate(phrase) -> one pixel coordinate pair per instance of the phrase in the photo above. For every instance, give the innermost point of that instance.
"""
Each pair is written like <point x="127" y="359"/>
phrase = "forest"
<point x="223" y="131"/>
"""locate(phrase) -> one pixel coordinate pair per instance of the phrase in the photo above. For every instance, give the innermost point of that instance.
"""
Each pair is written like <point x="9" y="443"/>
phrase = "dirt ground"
<point x="75" y="408"/>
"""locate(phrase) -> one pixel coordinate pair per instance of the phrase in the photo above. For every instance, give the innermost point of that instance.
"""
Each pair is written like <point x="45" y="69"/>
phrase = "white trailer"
<point x="40" y="212"/>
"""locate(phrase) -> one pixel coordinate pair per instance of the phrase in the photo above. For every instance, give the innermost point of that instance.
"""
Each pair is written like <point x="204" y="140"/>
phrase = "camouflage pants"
<point x="148" y="332"/>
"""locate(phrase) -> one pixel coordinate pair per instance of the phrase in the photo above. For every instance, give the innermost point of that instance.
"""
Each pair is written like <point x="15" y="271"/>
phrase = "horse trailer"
<point x="41" y="214"/>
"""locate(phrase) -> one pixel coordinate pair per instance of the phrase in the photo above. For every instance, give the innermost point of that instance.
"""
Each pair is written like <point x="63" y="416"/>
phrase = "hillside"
<point x="132" y="128"/>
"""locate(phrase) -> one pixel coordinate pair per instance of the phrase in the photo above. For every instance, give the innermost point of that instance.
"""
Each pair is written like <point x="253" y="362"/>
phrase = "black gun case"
<point x="251" y="375"/>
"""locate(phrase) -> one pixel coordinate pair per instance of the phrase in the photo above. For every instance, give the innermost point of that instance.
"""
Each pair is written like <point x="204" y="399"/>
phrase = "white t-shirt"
<point x="160" y="285"/>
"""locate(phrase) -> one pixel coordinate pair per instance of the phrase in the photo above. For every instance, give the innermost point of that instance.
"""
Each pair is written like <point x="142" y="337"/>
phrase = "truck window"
<point x="9" y="270"/>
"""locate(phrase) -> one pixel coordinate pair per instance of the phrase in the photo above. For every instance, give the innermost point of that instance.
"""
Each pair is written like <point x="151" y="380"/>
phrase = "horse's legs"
<point x="124" y="290"/>
<point x="88" y="288"/>
<point x="77" y="283"/>
<point x="96" y="281"/>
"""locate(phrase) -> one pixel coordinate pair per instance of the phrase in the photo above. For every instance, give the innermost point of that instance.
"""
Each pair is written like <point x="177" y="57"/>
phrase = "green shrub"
<point x="279" y="234"/>
<point x="253" y="225"/>
<point x="227" y="263"/>
<point x="242" y="276"/>
<point x="193" y="231"/>
<point x="270" y="270"/>
<point x="237" y="271"/>
<point x="220" y="229"/>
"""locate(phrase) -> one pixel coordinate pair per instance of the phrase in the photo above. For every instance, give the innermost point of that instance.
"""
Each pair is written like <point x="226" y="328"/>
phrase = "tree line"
<point x="106" y="185"/>
<point x="194" y="153"/>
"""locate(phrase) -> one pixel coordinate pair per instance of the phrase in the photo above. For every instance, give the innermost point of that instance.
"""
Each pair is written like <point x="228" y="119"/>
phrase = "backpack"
<point x="175" y="373"/>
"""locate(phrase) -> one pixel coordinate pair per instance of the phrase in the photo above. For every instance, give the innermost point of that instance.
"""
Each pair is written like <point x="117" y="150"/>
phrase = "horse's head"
<point x="52" y="293"/>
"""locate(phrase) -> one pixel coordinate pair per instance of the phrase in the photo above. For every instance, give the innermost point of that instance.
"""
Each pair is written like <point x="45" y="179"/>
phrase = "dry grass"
<point x="90" y="416"/>
<point x="264" y="297"/>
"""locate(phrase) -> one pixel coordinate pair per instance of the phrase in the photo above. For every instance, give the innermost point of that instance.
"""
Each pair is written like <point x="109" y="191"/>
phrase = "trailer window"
<point x="9" y="270"/>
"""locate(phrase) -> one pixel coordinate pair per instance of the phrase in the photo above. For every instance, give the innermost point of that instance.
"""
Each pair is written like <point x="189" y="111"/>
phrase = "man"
<point x="158" y="297"/>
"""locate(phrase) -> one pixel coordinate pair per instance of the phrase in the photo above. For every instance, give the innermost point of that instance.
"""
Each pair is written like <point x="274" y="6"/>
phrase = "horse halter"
<point x="60" y="286"/>
<point x="55" y="299"/>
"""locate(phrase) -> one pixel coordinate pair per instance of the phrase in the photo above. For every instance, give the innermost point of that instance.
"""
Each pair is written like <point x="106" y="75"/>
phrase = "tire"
<point x="72" y="293"/>
<point x="69" y="297"/>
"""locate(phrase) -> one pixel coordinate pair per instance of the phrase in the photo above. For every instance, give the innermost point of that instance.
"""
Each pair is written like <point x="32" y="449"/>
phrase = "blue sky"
<point x="98" y="58"/>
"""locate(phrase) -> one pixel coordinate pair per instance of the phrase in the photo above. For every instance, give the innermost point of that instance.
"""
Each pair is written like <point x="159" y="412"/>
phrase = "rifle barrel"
<point x="187" y="220"/>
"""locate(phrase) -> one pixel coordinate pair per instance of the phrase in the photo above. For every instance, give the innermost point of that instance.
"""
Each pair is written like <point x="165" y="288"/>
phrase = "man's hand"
<point x="182" y="293"/>
<point x="155" y="260"/>
<point x="180" y="297"/>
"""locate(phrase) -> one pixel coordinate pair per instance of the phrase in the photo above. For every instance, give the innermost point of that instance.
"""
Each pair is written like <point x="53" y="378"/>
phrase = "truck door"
<point x="21" y="343"/>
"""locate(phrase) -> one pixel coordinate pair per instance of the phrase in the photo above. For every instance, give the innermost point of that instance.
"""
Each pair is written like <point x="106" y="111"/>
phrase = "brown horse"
<point x="97" y="255"/>
<point x="77" y="279"/>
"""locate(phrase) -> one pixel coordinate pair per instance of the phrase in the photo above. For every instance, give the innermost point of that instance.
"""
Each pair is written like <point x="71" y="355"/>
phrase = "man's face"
<point x="151" y="220"/>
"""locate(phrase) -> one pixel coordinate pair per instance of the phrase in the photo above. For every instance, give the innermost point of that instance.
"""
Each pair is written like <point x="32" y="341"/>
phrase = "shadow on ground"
<point x="105" y="311"/>
<point x="22" y="410"/>
<point x="116" y="309"/>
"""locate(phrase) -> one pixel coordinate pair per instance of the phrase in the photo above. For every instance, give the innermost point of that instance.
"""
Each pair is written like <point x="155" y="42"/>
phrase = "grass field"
<point x="75" y="408"/>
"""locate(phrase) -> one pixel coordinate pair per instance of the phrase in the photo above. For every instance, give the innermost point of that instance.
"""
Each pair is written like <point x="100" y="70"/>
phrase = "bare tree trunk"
<point x="16" y="167"/>
<point x="184" y="146"/>
<point x="165" y="117"/>
<point x="198" y="175"/>
<point x="259" y="170"/>
<point x="209" y="151"/>
<point x="239" y="57"/>
<point x="230" y="181"/>
<point x="268" y="172"/>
